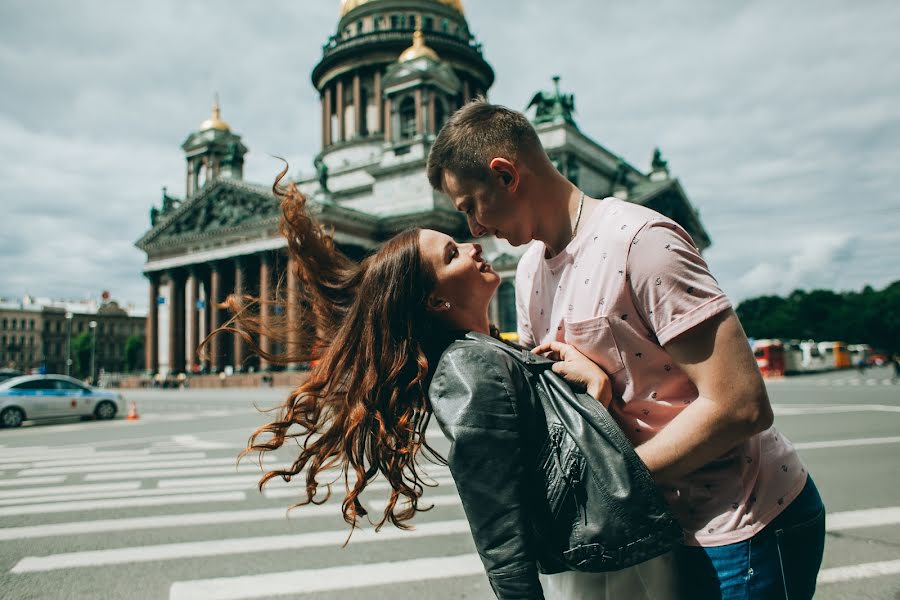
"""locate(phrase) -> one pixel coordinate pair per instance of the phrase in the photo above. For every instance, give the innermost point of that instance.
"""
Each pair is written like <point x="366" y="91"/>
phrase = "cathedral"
<point x="388" y="78"/>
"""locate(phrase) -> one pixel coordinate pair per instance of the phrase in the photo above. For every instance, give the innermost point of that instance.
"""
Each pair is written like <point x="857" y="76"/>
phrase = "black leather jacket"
<point x="547" y="480"/>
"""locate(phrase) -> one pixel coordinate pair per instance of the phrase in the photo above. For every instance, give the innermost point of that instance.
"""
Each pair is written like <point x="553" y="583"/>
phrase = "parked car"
<point x="32" y="397"/>
<point x="9" y="374"/>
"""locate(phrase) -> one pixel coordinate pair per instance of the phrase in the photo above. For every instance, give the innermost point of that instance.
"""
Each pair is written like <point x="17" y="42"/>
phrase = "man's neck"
<point x="559" y="208"/>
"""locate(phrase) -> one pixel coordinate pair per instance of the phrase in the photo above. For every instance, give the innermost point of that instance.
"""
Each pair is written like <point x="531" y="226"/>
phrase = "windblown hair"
<point x="363" y="410"/>
<point x="476" y="133"/>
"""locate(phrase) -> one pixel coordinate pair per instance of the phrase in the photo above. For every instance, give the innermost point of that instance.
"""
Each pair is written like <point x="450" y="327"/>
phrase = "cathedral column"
<point x="379" y="102"/>
<point x="292" y="311"/>
<point x="265" y="310"/>
<point x="176" y="322"/>
<point x="240" y="347"/>
<point x="420" y="125"/>
<point x="193" y="328"/>
<point x="388" y="129"/>
<point x="357" y="106"/>
<point x="339" y="90"/>
<point x="432" y="125"/>
<point x="215" y="316"/>
<point x="151" y="357"/>
<point x="327" y="112"/>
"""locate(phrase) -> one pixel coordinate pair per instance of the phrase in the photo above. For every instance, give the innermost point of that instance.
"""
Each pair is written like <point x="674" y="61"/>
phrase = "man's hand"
<point x="577" y="369"/>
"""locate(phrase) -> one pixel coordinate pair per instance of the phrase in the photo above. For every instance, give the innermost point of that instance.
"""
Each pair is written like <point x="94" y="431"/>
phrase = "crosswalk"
<point x="187" y="522"/>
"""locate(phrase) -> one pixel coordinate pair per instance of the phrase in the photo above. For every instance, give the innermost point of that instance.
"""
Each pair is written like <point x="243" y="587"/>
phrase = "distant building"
<point x="34" y="332"/>
<point x="388" y="79"/>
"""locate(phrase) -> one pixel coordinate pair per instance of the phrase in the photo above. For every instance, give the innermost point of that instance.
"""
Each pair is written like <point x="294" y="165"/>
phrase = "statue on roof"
<point x="657" y="163"/>
<point x="322" y="172"/>
<point x="552" y="106"/>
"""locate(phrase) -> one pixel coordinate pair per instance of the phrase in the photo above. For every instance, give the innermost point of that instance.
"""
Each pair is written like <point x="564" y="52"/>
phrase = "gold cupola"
<point x="418" y="49"/>
<point x="214" y="122"/>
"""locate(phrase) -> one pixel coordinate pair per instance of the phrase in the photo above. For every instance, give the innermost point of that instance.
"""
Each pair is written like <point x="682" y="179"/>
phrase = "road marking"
<point x="852" y="572"/>
<point x="296" y="492"/>
<point x="222" y="547"/>
<point x="63" y="490"/>
<point x="855" y="519"/>
<point x="192" y="441"/>
<point x="789" y="410"/>
<point x="326" y="580"/>
<point x="62" y="507"/>
<point x="134" y="493"/>
<point x="111" y="459"/>
<point x="32" y="481"/>
<point x="153" y="473"/>
<point x="132" y="467"/>
<point x="435" y="473"/>
<point x="846" y="443"/>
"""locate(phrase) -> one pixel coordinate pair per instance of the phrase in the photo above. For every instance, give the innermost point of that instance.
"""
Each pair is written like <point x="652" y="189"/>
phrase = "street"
<point x="155" y="508"/>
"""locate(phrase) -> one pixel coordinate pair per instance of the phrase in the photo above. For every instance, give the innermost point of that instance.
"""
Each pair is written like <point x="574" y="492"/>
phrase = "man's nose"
<point x="476" y="228"/>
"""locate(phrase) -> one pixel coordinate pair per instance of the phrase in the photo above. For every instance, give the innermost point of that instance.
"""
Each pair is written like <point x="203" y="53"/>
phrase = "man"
<point x="627" y="288"/>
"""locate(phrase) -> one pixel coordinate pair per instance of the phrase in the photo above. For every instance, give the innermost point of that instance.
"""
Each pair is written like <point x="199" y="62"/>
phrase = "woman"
<point x="380" y="332"/>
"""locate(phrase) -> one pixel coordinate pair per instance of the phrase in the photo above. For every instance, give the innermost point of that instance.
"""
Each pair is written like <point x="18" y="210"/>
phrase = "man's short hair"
<point x="476" y="133"/>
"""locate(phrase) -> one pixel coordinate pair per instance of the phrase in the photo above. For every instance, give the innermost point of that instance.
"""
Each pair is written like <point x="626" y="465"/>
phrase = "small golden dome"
<point x="214" y="122"/>
<point x="348" y="5"/>
<point x="418" y="49"/>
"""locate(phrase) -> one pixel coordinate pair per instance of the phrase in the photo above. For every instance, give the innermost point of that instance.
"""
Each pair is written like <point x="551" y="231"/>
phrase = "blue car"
<point x="33" y="397"/>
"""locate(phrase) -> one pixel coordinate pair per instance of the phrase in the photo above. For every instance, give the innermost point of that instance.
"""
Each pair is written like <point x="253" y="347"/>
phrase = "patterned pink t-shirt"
<point x="630" y="282"/>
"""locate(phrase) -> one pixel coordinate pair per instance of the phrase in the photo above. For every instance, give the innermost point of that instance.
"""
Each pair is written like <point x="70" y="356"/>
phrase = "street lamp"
<point x="93" y="326"/>
<point x="69" y="343"/>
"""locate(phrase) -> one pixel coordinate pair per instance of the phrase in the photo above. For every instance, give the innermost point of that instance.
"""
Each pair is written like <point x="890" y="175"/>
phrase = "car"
<point x="33" y="397"/>
<point x="9" y="374"/>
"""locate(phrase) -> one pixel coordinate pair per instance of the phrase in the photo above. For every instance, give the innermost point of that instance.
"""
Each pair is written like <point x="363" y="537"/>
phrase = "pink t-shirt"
<point x="630" y="282"/>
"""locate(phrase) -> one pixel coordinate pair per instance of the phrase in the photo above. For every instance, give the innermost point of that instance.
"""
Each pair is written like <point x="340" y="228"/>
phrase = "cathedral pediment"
<point x="221" y="207"/>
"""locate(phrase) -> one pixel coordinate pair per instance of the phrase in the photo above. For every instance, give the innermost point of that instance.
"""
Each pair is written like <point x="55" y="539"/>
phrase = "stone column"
<point x="388" y="133"/>
<point x="265" y="310"/>
<point x="292" y="310"/>
<point x="339" y="90"/>
<point x="240" y="347"/>
<point x="357" y="106"/>
<point x="432" y="125"/>
<point x="379" y="102"/>
<point x="327" y="112"/>
<point x="420" y="125"/>
<point x="467" y="91"/>
<point x="176" y="322"/>
<point x="193" y="328"/>
<point x="151" y="347"/>
<point x="215" y="316"/>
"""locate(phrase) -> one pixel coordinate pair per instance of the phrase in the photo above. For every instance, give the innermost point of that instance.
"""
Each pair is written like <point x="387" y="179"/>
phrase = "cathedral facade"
<point x="388" y="79"/>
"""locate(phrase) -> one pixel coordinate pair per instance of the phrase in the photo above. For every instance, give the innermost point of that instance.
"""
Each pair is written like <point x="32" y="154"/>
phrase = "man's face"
<point x="490" y="208"/>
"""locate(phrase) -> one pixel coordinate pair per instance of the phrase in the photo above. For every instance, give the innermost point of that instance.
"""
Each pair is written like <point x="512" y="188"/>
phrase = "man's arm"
<point x="733" y="404"/>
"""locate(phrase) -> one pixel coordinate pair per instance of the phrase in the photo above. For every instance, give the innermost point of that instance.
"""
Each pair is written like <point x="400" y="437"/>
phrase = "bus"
<point x="769" y="357"/>
<point x="836" y="354"/>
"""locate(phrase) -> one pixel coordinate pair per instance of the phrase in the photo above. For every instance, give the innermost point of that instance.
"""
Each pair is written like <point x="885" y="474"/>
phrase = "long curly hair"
<point x="363" y="410"/>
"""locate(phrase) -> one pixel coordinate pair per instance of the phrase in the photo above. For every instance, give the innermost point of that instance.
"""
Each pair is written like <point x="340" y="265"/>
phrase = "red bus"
<point x="769" y="357"/>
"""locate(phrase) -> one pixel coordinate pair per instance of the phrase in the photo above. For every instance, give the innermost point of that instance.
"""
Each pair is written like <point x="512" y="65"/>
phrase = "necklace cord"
<point x="577" y="217"/>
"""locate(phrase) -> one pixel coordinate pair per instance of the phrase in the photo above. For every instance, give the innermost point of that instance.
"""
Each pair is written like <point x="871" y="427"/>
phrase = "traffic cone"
<point x="132" y="412"/>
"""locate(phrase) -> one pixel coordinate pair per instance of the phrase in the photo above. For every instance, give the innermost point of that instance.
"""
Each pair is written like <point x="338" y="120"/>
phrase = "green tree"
<point x="81" y="355"/>
<point x="134" y="353"/>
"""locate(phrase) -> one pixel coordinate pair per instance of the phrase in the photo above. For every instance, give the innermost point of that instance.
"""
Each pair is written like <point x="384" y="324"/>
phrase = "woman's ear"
<point x="435" y="304"/>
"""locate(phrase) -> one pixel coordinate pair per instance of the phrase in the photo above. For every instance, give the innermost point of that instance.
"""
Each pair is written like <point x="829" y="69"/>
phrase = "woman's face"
<point x="463" y="277"/>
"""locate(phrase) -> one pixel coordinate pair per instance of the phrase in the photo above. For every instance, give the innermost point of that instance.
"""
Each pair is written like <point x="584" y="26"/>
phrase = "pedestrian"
<point x="896" y="363"/>
<point x="628" y="288"/>
<point x="405" y="335"/>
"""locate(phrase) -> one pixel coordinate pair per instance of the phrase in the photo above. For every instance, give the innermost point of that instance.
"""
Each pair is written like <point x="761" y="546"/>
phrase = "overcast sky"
<point x="782" y="120"/>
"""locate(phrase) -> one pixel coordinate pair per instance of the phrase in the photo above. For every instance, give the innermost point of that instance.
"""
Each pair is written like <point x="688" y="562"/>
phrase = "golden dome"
<point x="214" y="122"/>
<point x="348" y="5"/>
<point x="418" y="49"/>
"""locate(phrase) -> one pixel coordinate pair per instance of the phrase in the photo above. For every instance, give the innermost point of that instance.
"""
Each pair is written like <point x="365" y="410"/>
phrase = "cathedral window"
<point x="429" y="24"/>
<point x="407" y="118"/>
<point x="395" y="22"/>
<point x="376" y="22"/>
<point x="445" y="26"/>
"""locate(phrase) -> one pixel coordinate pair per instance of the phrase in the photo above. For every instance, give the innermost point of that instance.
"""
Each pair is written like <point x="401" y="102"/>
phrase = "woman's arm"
<point x="473" y="396"/>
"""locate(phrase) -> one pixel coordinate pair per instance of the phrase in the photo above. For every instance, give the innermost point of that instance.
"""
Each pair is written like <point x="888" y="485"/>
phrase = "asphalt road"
<point x="155" y="508"/>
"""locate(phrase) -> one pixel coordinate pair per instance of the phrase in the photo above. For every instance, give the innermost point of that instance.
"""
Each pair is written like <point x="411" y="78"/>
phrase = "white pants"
<point x="655" y="579"/>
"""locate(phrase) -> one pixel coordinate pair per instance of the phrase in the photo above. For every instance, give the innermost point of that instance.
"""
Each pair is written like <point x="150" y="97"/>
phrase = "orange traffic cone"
<point x="132" y="412"/>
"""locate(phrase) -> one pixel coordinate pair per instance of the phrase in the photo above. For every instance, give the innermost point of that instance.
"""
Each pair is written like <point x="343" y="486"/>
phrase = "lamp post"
<point x="69" y="343"/>
<point x="93" y="326"/>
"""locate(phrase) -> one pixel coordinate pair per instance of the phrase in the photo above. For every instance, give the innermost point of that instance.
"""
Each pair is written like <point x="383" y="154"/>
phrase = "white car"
<point x="32" y="397"/>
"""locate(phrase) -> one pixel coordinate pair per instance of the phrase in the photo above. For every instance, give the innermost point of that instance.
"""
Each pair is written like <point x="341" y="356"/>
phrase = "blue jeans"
<point x="780" y="562"/>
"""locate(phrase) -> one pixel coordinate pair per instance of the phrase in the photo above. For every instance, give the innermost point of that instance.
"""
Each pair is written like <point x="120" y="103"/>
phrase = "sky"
<point x="781" y="120"/>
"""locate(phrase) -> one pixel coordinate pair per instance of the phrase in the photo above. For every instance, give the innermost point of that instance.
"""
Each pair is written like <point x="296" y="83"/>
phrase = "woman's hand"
<point x="576" y="368"/>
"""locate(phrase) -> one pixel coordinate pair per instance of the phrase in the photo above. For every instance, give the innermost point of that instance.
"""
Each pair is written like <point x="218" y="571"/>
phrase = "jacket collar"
<point x="523" y="356"/>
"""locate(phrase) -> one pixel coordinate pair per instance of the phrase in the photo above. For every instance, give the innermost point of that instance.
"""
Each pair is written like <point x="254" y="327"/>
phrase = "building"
<point x="35" y="334"/>
<point x="388" y="79"/>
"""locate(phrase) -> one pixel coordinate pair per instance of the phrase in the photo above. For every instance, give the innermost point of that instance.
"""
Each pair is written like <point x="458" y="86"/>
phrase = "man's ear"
<point x="506" y="173"/>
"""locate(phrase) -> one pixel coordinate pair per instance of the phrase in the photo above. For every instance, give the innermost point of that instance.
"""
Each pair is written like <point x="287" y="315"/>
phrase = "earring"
<point x="446" y="304"/>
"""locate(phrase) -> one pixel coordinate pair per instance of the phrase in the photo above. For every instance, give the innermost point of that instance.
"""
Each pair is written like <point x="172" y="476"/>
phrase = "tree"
<point x="134" y="353"/>
<point x="81" y="355"/>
